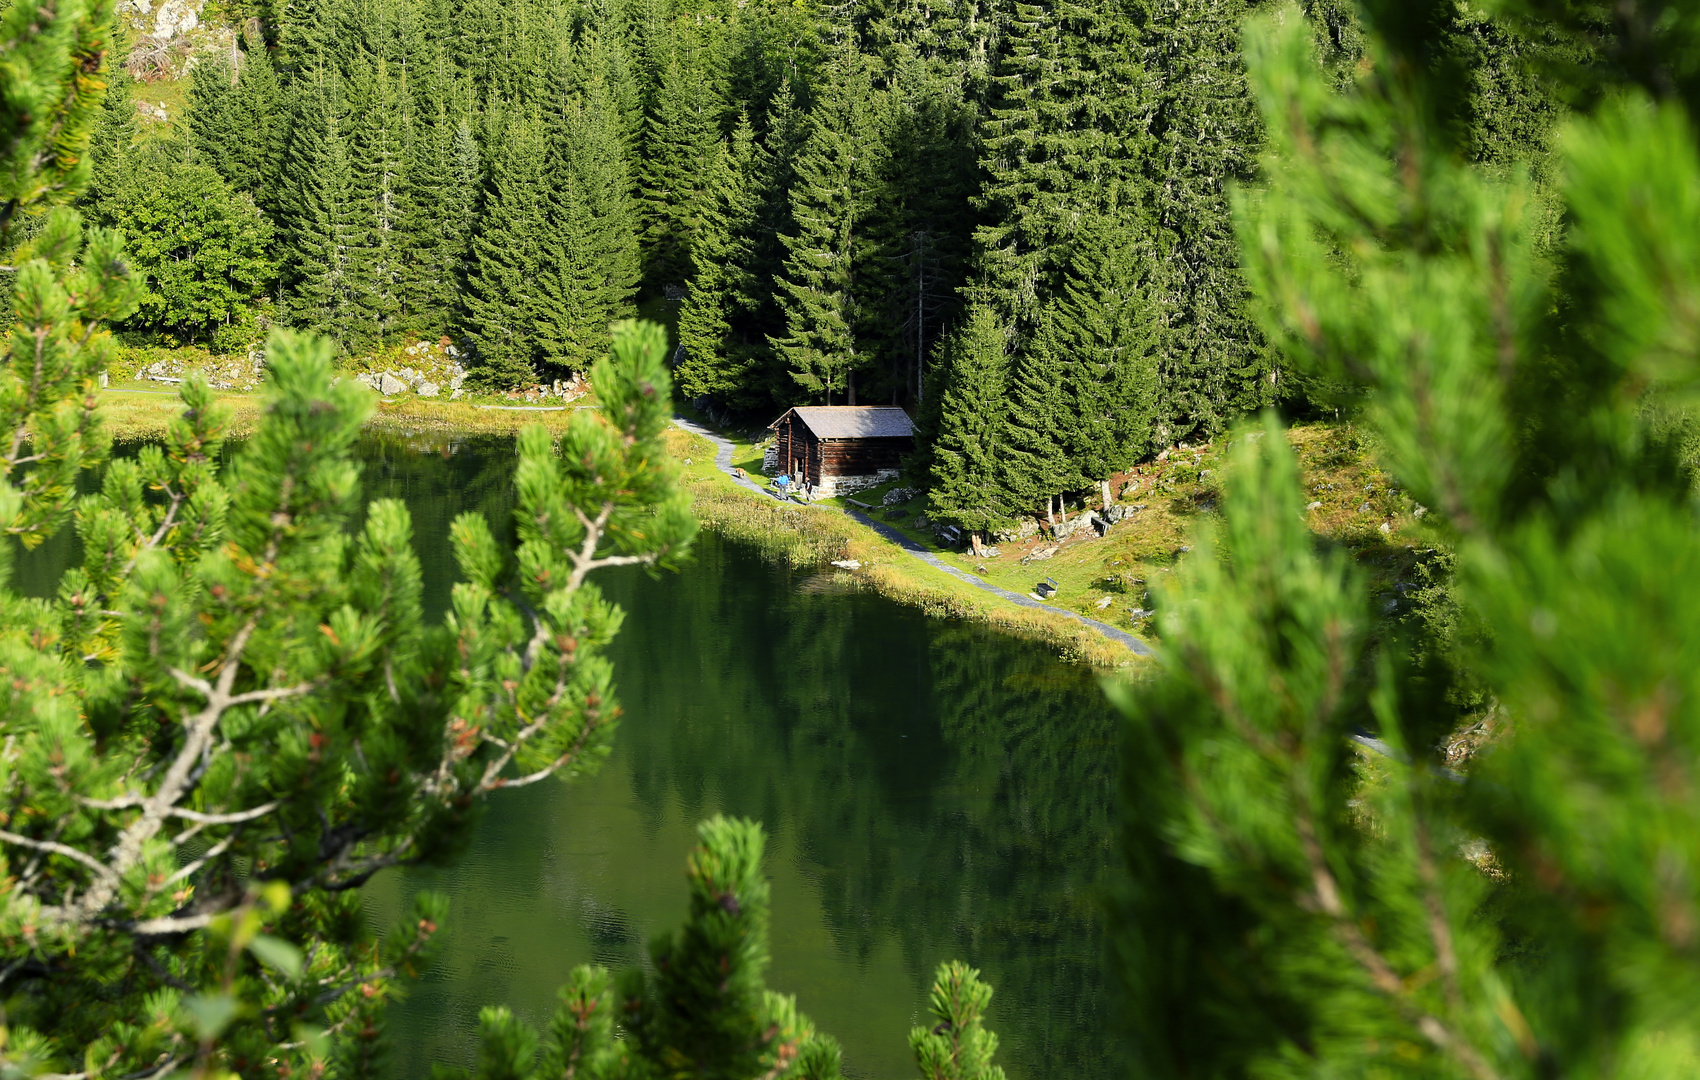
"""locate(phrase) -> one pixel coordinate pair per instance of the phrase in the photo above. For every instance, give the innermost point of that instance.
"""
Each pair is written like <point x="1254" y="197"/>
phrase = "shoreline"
<point x="814" y="537"/>
<point x="803" y="537"/>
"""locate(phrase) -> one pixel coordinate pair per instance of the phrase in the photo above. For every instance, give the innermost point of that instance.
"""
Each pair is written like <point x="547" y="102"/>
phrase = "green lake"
<point x="931" y="790"/>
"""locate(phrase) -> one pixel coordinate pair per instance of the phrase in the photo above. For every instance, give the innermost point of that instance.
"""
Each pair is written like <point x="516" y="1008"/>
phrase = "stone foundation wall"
<point x="833" y="486"/>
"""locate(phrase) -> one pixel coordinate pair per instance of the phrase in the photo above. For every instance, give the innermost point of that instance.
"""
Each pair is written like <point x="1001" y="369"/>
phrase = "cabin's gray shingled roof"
<point x="854" y="421"/>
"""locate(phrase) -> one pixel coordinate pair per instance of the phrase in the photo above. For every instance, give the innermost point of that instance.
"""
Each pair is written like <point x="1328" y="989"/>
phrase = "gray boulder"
<point x="1066" y="529"/>
<point x="898" y="495"/>
<point x="389" y="384"/>
<point x="429" y="389"/>
<point x="1022" y="530"/>
<point x="1119" y="513"/>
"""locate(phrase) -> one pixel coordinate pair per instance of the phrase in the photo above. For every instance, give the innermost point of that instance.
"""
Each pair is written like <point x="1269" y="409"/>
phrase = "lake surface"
<point x="931" y="790"/>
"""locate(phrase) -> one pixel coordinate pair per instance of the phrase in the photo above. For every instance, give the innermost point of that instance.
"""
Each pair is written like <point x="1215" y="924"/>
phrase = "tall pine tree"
<point x="379" y="145"/>
<point x="830" y="196"/>
<point x="715" y="363"/>
<point x="1207" y="136"/>
<point x="921" y="224"/>
<point x="1104" y="329"/>
<point x="1067" y="130"/>
<point x="1037" y="466"/>
<point x="323" y="221"/>
<point x="968" y="485"/>
<point x="498" y="300"/>
<point x="587" y="261"/>
<point x="681" y="135"/>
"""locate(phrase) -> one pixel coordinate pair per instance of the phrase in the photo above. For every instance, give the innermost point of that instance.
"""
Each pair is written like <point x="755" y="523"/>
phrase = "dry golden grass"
<point x="143" y="414"/>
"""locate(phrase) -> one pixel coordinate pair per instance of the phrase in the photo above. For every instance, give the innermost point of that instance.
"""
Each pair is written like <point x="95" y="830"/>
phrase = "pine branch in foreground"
<point x="1296" y="906"/>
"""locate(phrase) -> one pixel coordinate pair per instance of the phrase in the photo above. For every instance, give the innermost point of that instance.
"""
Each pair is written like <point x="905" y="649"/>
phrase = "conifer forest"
<point x="1011" y="219"/>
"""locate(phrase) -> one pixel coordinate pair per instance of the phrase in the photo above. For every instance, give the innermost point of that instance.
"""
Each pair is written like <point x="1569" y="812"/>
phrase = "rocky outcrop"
<point x="238" y="373"/>
<point x="439" y="370"/>
<point x="1025" y="529"/>
<point x="898" y="495"/>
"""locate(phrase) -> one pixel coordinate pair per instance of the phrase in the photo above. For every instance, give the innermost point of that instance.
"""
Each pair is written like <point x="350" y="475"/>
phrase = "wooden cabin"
<point x="841" y="448"/>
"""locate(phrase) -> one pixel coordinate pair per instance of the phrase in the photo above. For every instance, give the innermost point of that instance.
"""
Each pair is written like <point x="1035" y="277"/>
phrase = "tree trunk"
<point x="1107" y="500"/>
<point x="974" y="541"/>
<point x="1062" y="510"/>
<point x="850" y="387"/>
<point x="1050" y="512"/>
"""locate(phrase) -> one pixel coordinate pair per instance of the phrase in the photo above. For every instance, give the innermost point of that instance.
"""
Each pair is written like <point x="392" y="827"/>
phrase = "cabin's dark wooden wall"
<point x="861" y="457"/>
<point x="834" y="457"/>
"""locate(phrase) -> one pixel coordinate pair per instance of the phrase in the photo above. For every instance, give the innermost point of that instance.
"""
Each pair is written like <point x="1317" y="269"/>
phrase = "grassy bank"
<point x="816" y="537"/>
<point x="143" y="411"/>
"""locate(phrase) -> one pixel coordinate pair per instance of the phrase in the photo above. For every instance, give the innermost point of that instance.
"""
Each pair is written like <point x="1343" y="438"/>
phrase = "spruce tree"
<point x="771" y="176"/>
<point x="214" y="126"/>
<point x="600" y="156"/>
<point x="236" y="124"/>
<point x="1215" y="364"/>
<point x="715" y="362"/>
<point x="1069" y="110"/>
<point x="829" y="200"/>
<point x="566" y="319"/>
<point x="323" y="222"/>
<point x="588" y="255"/>
<point x="505" y="253"/>
<point x="680" y="135"/>
<point x="920" y="224"/>
<point x="260" y="113"/>
<point x="1104" y="329"/>
<point x="441" y="175"/>
<point x="967" y="473"/>
<point x="380" y="136"/>
<point x="956" y="39"/>
<point x="110" y="144"/>
<point x="1036" y="464"/>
